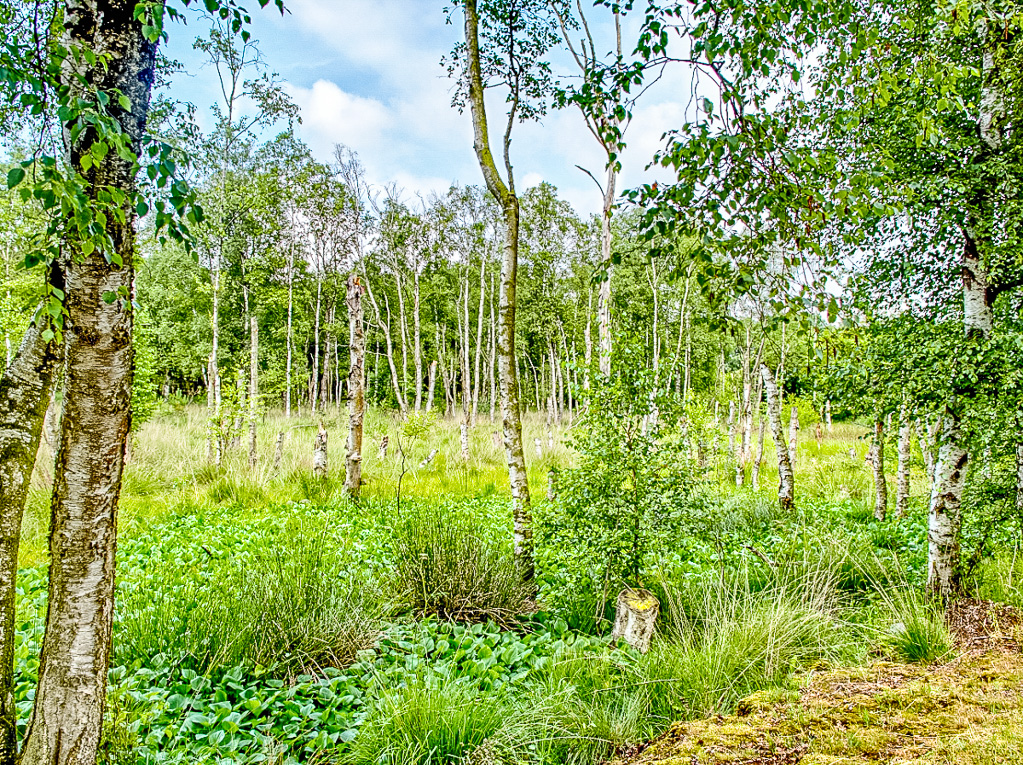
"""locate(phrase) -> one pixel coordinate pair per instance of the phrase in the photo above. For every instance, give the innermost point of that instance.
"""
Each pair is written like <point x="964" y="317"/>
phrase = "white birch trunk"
<point x="356" y="388"/>
<point x="786" y="490"/>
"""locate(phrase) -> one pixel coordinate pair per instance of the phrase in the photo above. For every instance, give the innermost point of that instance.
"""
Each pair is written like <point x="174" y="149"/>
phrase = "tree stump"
<point x="384" y="443"/>
<point x="635" y="617"/>
<point x="428" y="460"/>
<point x="320" y="453"/>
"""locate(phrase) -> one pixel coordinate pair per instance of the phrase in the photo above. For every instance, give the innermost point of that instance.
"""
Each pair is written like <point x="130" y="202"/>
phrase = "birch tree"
<point x="505" y="43"/>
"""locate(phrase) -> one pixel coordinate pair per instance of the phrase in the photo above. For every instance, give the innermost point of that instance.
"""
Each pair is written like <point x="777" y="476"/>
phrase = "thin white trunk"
<point x="356" y="388"/>
<point x="786" y="490"/>
<point x="876" y="458"/>
<point x="902" y="481"/>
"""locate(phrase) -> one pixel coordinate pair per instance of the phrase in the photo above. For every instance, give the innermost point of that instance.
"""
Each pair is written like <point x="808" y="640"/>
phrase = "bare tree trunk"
<point x="493" y="353"/>
<point x="464" y="433"/>
<point x="385" y="326"/>
<point x="902" y="483"/>
<point x="876" y="458"/>
<point x="793" y="435"/>
<point x="25" y="393"/>
<point x="417" y="342"/>
<point x="507" y="367"/>
<point x="315" y="386"/>
<point x="827" y="413"/>
<point x="253" y="380"/>
<point x="755" y="473"/>
<point x="290" y="336"/>
<point x="356" y="390"/>
<point x="604" y="295"/>
<point x="588" y="340"/>
<point x="786" y="496"/>
<point x="479" y="344"/>
<point x="432" y="387"/>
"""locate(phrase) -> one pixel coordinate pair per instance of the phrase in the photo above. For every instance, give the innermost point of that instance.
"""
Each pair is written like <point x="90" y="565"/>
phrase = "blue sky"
<point x="368" y="73"/>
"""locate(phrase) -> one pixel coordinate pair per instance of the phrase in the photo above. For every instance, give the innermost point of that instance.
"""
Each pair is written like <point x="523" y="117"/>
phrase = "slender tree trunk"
<point x="417" y="340"/>
<point x="876" y="458"/>
<point x="588" y="341"/>
<point x="68" y="709"/>
<point x="384" y="322"/>
<point x="507" y="367"/>
<point x="793" y="435"/>
<point x="493" y="353"/>
<point x="290" y="334"/>
<point x="786" y="496"/>
<point x="902" y="482"/>
<point x="314" y="387"/>
<point x="758" y="460"/>
<point x="604" y="295"/>
<point x="356" y="389"/>
<point x="479" y="344"/>
<point x="25" y="393"/>
<point x="253" y="379"/>
<point x="431" y="388"/>
<point x="402" y="329"/>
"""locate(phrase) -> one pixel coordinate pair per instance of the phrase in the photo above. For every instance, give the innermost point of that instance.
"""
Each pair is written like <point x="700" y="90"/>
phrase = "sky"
<point x="368" y="74"/>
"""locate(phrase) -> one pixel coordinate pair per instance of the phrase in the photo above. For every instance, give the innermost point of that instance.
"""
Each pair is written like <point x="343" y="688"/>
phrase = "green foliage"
<point x="918" y="632"/>
<point x="630" y="494"/>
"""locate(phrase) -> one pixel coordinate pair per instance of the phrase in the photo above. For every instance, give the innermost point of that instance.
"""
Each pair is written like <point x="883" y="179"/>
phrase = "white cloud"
<point x="330" y="115"/>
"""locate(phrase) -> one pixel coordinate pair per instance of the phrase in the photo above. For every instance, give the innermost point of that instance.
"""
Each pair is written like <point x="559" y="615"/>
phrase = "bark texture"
<point x="25" y="392"/>
<point x="320" y="452"/>
<point x="71" y="691"/>
<point x="356" y="387"/>
<point x="902" y="477"/>
<point x="635" y="616"/>
<point x="786" y="491"/>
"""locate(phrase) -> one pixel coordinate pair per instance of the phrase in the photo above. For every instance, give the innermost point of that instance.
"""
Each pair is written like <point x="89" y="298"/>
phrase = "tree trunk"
<point x="876" y="458"/>
<point x="68" y="711"/>
<point x="635" y="617"/>
<point x="290" y="335"/>
<point x="902" y="482"/>
<point x="417" y="342"/>
<point x="253" y="384"/>
<point x="785" y="479"/>
<point x="758" y="460"/>
<point x="479" y="345"/>
<point x="604" y="295"/>
<point x="793" y="435"/>
<point x="25" y="393"/>
<point x="385" y="326"/>
<point x="356" y="389"/>
<point x="314" y="389"/>
<point x="507" y="368"/>
<point x="464" y="433"/>
<point x="431" y="388"/>
<point x="320" y="453"/>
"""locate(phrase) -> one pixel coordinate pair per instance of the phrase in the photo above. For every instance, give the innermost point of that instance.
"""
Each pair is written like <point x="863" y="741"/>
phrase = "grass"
<point x="261" y="614"/>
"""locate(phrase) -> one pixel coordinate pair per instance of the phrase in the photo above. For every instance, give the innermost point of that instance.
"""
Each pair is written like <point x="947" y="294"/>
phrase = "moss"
<point x="967" y="712"/>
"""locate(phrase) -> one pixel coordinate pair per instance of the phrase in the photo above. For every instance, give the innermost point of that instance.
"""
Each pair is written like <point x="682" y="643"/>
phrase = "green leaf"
<point x="15" y="176"/>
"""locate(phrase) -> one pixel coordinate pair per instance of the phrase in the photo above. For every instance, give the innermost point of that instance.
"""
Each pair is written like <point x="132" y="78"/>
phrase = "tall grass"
<point x="448" y="562"/>
<point x="432" y="720"/>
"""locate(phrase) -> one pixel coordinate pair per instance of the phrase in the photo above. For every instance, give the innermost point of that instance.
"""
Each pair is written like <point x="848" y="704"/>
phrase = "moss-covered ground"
<point x="965" y="711"/>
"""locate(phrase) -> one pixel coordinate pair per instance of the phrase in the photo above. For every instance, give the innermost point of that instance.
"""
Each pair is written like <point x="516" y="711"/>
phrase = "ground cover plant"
<point x="303" y="627"/>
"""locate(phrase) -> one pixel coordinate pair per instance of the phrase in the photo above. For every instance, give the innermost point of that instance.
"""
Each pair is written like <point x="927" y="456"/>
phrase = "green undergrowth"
<point x="306" y="632"/>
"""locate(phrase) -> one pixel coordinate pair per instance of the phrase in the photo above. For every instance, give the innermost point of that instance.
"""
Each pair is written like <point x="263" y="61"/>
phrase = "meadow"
<point x="262" y="617"/>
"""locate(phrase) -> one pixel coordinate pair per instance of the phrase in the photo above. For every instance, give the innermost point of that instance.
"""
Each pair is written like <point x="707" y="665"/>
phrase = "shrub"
<point x="627" y="501"/>
<point x="450" y="564"/>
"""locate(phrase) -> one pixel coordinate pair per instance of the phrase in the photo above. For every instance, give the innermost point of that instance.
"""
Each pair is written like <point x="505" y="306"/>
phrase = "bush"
<point x="451" y="564"/>
<point x="626" y="502"/>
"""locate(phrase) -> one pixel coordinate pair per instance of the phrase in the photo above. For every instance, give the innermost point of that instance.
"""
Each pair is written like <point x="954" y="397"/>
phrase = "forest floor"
<point x="966" y="710"/>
